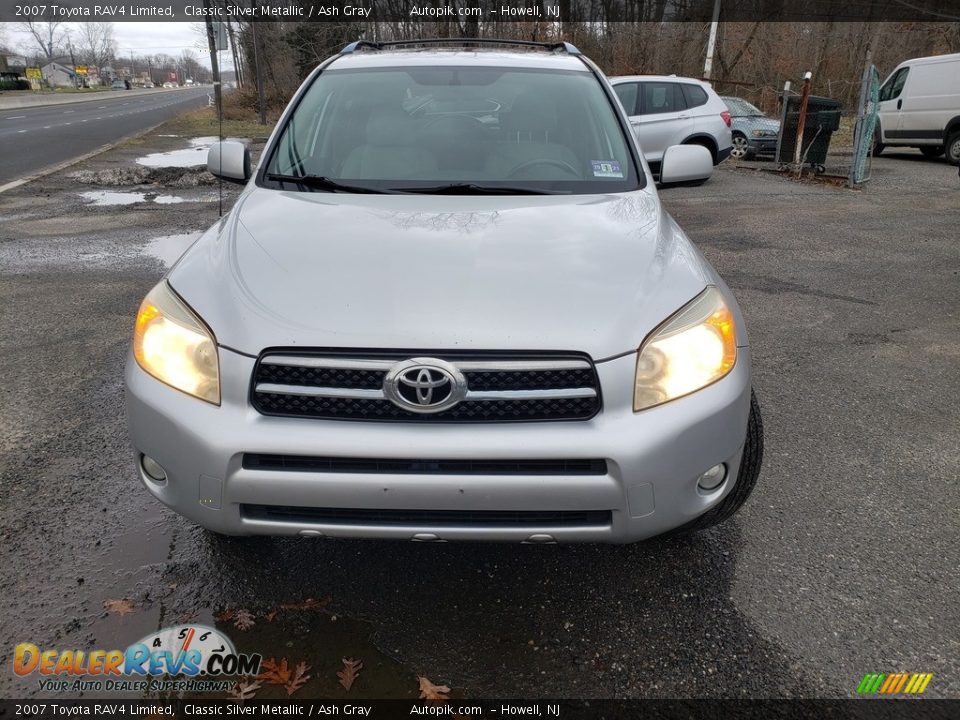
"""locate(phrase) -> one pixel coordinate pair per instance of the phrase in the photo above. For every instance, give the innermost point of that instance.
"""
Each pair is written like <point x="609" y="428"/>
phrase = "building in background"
<point x="58" y="75"/>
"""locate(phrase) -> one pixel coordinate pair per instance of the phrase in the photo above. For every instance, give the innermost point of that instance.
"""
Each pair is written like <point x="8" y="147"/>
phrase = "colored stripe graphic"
<point x="894" y="683"/>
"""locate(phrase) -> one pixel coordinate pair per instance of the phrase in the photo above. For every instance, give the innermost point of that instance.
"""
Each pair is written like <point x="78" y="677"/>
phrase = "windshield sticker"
<point x="606" y="168"/>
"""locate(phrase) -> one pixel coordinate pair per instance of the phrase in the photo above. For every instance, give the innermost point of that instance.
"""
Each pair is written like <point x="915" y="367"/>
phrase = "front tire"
<point x="741" y="148"/>
<point x="746" y="479"/>
<point x="877" y="144"/>
<point x="953" y="149"/>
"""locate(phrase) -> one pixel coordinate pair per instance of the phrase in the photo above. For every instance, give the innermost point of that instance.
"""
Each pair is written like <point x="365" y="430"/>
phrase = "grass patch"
<point x="79" y="91"/>
<point x="203" y="121"/>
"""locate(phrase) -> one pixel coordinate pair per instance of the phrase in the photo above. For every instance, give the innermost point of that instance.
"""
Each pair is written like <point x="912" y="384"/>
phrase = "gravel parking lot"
<point x="843" y="562"/>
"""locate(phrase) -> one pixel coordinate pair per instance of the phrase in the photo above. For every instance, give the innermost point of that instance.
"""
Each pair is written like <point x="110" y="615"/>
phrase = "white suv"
<point x="668" y="110"/>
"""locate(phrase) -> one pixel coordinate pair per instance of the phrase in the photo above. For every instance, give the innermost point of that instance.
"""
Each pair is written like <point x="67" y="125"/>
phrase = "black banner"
<point x="482" y="11"/>
<point x="857" y="709"/>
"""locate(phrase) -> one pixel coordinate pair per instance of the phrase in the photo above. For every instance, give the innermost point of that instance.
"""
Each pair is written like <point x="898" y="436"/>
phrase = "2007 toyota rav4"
<point x="448" y="306"/>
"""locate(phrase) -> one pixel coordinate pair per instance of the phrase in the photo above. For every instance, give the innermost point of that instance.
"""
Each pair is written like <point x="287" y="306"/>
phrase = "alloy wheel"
<point x="740" y="148"/>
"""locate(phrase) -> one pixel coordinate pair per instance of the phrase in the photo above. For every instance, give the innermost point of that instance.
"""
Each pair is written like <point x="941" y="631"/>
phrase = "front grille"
<point x="298" y="463"/>
<point x="498" y="388"/>
<point x="428" y="518"/>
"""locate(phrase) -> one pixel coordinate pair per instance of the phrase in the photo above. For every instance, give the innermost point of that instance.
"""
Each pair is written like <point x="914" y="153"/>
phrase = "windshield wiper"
<point x="323" y="183"/>
<point x="473" y="189"/>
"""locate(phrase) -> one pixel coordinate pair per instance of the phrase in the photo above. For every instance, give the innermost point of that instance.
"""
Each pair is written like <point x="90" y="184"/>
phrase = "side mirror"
<point x="229" y="160"/>
<point x="686" y="163"/>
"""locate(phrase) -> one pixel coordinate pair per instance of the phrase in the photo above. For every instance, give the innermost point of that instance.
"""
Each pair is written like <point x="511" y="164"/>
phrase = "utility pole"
<point x="712" y="42"/>
<point x="214" y="65"/>
<point x="73" y="63"/>
<point x="256" y="63"/>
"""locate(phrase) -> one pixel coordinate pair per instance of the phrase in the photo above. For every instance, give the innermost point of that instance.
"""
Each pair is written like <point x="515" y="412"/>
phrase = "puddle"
<point x="191" y="156"/>
<point x="168" y="248"/>
<point x="104" y="198"/>
<point x="101" y="198"/>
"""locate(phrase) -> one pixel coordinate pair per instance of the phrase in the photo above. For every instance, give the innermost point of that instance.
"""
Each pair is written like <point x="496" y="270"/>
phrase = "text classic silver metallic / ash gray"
<point x="448" y="305"/>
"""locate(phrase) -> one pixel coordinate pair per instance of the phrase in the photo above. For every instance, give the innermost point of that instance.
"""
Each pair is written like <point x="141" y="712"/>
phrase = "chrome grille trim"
<point x="308" y="391"/>
<point x="463" y="366"/>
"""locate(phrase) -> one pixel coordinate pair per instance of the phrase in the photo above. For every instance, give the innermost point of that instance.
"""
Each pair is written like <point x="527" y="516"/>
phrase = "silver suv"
<point x="448" y="306"/>
<point x="667" y="110"/>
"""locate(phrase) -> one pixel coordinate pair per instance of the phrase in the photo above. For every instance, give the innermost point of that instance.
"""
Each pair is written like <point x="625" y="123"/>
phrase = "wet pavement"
<point x="839" y="565"/>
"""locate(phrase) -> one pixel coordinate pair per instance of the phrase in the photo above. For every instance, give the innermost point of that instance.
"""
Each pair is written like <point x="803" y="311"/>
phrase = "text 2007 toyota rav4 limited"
<point x="448" y="306"/>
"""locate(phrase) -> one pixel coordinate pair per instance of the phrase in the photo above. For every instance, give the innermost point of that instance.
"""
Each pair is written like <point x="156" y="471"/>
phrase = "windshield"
<point x="741" y="108"/>
<point x="468" y="129"/>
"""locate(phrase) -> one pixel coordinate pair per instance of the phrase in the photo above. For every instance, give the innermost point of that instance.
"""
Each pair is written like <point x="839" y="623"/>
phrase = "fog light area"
<point x="713" y="478"/>
<point x="152" y="468"/>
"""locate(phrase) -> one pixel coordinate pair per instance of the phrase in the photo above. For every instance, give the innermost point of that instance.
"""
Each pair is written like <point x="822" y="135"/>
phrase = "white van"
<point x="920" y="107"/>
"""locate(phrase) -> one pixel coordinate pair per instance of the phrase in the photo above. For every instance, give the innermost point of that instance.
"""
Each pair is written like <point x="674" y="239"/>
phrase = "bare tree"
<point x="97" y="45"/>
<point x="48" y="36"/>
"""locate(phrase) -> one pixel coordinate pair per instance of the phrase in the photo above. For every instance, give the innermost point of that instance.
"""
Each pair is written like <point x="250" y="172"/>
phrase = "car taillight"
<point x="726" y="117"/>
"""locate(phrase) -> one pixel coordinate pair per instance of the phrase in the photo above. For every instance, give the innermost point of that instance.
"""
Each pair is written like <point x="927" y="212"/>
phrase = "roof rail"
<point x="565" y="47"/>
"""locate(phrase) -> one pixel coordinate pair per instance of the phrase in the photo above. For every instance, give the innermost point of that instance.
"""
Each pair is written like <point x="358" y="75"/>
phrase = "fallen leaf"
<point x="308" y="604"/>
<point x="429" y="691"/>
<point x="225" y="616"/>
<point x="273" y="672"/>
<point x="243" y="620"/>
<point x="270" y="616"/>
<point x="299" y="678"/>
<point x="351" y="668"/>
<point x="119" y="607"/>
<point x="245" y="689"/>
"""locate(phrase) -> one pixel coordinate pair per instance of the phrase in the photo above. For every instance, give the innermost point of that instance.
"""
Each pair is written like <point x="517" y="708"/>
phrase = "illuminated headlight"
<point x="695" y="347"/>
<point x="758" y="133"/>
<point x="171" y="343"/>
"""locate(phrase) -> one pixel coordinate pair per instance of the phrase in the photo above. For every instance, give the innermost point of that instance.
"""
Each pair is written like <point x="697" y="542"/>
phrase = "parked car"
<point x="753" y="132"/>
<point x="148" y="86"/>
<point x="417" y="325"/>
<point x="920" y="107"/>
<point x="118" y="85"/>
<point x="667" y="110"/>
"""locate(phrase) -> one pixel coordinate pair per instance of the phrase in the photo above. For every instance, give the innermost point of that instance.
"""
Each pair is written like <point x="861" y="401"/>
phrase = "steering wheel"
<point x="561" y="164"/>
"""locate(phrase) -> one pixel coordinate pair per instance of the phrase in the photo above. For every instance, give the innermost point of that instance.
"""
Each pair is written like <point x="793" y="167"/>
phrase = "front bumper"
<point x="762" y="146"/>
<point x="650" y="486"/>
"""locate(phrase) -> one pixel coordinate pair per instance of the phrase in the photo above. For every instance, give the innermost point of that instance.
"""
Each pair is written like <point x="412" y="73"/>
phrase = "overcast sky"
<point x="144" y="38"/>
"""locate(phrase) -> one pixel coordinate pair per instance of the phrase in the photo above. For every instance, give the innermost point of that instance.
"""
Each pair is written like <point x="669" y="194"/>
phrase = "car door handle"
<point x="899" y="103"/>
<point x="684" y="116"/>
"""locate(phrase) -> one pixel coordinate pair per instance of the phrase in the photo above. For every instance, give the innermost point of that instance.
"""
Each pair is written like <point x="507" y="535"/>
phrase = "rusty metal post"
<point x="802" y="120"/>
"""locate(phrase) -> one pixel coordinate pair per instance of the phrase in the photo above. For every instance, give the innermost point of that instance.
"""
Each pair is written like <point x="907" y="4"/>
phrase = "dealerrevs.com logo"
<point x="190" y="651"/>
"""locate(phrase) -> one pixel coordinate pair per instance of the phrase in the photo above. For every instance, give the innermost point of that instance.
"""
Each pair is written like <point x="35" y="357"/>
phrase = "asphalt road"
<point x="40" y="137"/>
<point x="842" y="563"/>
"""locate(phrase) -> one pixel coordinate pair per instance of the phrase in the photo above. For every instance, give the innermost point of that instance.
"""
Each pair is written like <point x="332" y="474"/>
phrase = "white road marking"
<point x="67" y="112"/>
<point x="100" y="107"/>
<point x="16" y="117"/>
<point x="21" y="131"/>
<point x="46" y="127"/>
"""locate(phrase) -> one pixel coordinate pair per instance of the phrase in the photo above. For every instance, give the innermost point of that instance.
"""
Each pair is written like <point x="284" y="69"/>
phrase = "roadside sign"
<point x="220" y="35"/>
<point x="81" y="70"/>
<point x="33" y="73"/>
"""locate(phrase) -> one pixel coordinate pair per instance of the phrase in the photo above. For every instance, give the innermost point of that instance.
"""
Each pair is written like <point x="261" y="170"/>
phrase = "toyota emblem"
<point x="424" y="385"/>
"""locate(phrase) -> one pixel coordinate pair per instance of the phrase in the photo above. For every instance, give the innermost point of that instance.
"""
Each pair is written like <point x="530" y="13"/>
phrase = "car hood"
<point x="414" y="272"/>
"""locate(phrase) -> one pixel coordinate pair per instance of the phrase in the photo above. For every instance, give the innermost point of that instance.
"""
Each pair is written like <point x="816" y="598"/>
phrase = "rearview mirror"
<point x="686" y="163"/>
<point x="229" y="160"/>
